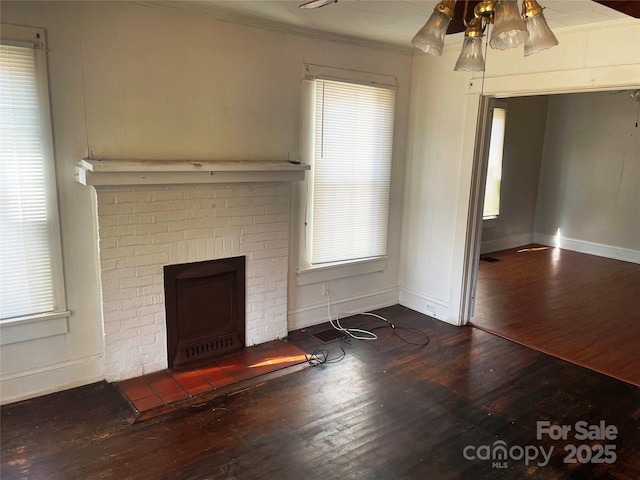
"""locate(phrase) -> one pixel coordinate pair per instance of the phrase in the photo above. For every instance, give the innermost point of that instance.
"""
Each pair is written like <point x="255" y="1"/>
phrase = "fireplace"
<point x="153" y="213"/>
<point x="205" y="310"/>
<point x="142" y="229"/>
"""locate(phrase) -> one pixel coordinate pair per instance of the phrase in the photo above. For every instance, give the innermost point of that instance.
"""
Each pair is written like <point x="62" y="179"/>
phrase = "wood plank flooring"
<point x="388" y="410"/>
<point x="578" y="307"/>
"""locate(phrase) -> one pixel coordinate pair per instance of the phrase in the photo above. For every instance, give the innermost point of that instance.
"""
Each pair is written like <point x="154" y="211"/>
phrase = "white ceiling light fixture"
<point x="430" y="38"/>
<point x="510" y="29"/>
<point x="540" y="35"/>
<point x="471" y="59"/>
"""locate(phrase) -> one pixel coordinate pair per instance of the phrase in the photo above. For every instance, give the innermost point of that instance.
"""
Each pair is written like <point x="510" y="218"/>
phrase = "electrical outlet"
<point x="430" y="310"/>
<point x="325" y="289"/>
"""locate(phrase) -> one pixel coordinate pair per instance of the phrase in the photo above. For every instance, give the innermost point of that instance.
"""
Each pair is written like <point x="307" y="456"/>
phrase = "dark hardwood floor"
<point x="388" y="410"/>
<point x="578" y="307"/>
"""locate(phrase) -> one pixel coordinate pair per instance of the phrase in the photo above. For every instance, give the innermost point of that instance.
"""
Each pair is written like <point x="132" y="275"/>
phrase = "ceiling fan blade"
<point x="457" y="23"/>
<point x="317" y="3"/>
<point x="628" y="7"/>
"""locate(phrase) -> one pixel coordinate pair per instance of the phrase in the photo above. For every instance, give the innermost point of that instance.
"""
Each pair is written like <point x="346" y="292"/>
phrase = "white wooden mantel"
<point x="107" y="172"/>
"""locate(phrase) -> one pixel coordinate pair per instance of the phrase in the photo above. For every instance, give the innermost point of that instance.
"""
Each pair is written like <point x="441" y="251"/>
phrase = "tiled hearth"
<point x="159" y="390"/>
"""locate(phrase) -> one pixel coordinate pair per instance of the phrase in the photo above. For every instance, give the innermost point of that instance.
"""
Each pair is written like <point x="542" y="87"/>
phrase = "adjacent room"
<point x="246" y="239"/>
<point x="559" y="265"/>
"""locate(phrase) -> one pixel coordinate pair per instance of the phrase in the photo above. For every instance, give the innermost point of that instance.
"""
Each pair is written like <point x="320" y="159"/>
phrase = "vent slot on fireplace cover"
<point x="204" y="349"/>
<point x="205" y="306"/>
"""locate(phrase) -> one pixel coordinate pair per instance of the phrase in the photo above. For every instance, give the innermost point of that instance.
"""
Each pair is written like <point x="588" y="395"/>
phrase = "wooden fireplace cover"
<point x="205" y="307"/>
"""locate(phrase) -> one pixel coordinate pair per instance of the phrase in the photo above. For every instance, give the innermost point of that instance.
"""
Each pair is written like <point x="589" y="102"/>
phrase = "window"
<point x="494" y="169"/>
<point x="31" y="284"/>
<point x="351" y="170"/>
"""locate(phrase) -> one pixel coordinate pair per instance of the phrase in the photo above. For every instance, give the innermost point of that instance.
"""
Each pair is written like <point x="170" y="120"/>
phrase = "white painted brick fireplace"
<point x="142" y="228"/>
<point x="153" y="213"/>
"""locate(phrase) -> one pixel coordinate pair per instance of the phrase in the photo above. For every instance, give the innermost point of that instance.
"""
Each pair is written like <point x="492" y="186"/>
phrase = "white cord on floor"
<point x="360" y="334"/>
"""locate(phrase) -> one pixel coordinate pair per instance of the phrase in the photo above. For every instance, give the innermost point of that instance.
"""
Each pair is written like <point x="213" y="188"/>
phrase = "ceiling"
<point x="387" y="21"/>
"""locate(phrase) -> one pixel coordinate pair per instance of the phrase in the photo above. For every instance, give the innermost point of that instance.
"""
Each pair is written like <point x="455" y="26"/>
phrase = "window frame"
<point x="54" y="322"/>
<point x="491" y="219"/>
<point x="307" y="272"/>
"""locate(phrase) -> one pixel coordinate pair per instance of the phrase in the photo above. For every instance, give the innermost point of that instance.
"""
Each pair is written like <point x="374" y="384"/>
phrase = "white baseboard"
<point x="427" y="305"/>
<point x="506" y="243"/>
<point x="316" y="314"/>
<point x="35" y="382"/>
<point x="591" y="248"/>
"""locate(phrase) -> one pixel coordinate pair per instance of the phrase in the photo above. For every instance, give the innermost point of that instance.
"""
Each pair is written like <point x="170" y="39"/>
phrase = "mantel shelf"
<point x="107" y="172"/>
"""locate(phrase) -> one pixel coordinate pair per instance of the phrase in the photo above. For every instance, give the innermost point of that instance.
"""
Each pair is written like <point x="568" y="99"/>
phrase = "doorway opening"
<point x="565" y="229"/>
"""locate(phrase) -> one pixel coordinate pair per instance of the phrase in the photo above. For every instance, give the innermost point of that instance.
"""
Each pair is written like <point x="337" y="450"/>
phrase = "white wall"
<point x="140" y="81"/>
<point x="48" y="364"/>
<point x="523" y="144"/>
<point x="589" y="185"/>
<point x="438" y="102"/>
<point x="442" y="138"/>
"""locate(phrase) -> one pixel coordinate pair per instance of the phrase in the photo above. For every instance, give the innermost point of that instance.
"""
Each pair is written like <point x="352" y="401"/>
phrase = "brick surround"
<point x="143" y="228"/>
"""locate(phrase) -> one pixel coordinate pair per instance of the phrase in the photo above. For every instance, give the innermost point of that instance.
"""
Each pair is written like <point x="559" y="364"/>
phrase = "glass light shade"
<point x="509" y="30"/>
<point x="540" y="35"/>
<point x="430" y="38"/>
<point x="470" y="59"/>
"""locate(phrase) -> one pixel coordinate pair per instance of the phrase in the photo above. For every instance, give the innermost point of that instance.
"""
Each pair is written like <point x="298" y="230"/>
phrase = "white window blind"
<point x="351" y="171"/>
<point x="494" y="170"/>
<point x="26" y="236"/>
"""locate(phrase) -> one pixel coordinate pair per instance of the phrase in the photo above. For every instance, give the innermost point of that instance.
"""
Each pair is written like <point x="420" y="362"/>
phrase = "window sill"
<point x="489" y="222"/>
<point x="32" y="327"/>
<point x="335" y="271"/>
